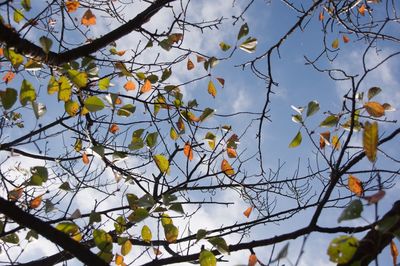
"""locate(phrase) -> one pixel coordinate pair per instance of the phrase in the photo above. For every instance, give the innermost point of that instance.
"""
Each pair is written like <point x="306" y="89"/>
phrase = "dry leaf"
<point x="72" y="6"/>
<point x="335" y="142"/>
<point x="394" y="251"/>
<point x="346" y="39"/>
<point x="321" y="16"/>
<point x="252" y="260"/>
<point x="370" y="140"/>
<point x="200" y="59"/>
<point x="221" y="81"/>
<point x="8" y="77"/>
<point x="88" y="18"/>
<point x="85" y="158"/>
<point x="231" y="153"/>
<point x="376" y="197"/>
<point x="211" y="89"/>
<point x="355" y="185"/>
<point x="129" y="85"/>
<point x="324" y="139"/>
<point x="362" y="9"/>
<point x="248" y="211"/>
<point x="146" y="86"/>
<point x="187" y="150"/>
<point x="227" y="168"/>
<point x="190" y="64"/>
<point x="114" y="128"/>
<point x="374" y="109"/>
<point x="35" y="202"/>
<point x="15" y="194"/>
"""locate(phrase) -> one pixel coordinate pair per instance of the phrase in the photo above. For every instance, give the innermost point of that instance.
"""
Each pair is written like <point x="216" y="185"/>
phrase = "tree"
<point x="107" y="154"/>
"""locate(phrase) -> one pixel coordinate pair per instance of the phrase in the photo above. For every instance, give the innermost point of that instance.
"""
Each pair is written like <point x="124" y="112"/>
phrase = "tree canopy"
<point x="160" y="132"/>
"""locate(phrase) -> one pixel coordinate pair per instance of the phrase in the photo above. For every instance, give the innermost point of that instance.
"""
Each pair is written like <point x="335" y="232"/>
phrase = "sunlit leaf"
<point x="342" y="248"/>
<point x="72" y="6"/>
<point x="165" y="219"/>
<point x="129" y="85"/>
<point x="210" y="138"/>
<point x="15" y="58"/>
<point x="296" y="141"/>
<point x="374" y="109"/>
<point x="187" y="150"/>
<point x="370" y="140"/>
<point x="26" y="4"/>
<point x="362" y="9"/>
<point x="173" y="134"/>
<point x="85" y="158"/>
<point x="119" y="260"/>
<point x="352" y="211"/>
<point x="126" y="110"/>
<point x="355" y="185"/>
<point x="104" y="83"/>
<point x="102" y="240"/>
<point x="114" y="128"/>
<point x="27" y="93"/>
<point x="114" y="51"/>
<point x="244" y="30"/>
<point x="171" y="233"/>
<point x="146" y="86"/>
<point x="330" y="121"/>
<point x="335" y="43"/>
<point x="324" y="139"/>
<point x="249" y="45"/>
<point x="71" y="107"/>
<point x="248" y="211"/>
<point x="88" y="18"/>
<point x="18" y="15"/>
<point x="8" y="98"/>
<point x="335" y="142"/>
<point x="220" y="244"/>
<point x="146" y="234"/>
<point x="64" y="89"/>
<point x="227" y="168"/>
<point x="211" y="89"/>
<point x="94" y="104"/>
<point x="35" y="203"/>
<point x="162" y="163"/>
<point x="394" y="252"/>
<point x="70" y="229"/>
<point x="231" y="152"/>
<point x="79" y="79"/>
<point x="312" y="108"/>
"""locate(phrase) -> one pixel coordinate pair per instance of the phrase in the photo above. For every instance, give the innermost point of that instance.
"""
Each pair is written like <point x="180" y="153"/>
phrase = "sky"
<point x="244" y="92"/>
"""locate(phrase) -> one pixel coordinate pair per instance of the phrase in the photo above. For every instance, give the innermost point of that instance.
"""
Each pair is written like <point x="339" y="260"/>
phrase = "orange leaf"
<point x="35" y="202"/>
<point x="187" y="150"/>
<point x="118" y="101"/>
<point x="200" y="59"/>
<point x="146" y="86"/>
<point x="119" y="259"/>
<point x="190" y="64"/>
<point x="88" y="18"/>
<point x="227" y="168"/>
<point x="376" y="197"/>
<point x="8" y="77"/>
<point x="346" y="39"/>
<point x="394" y="251"/>
<point x="355" y="185"/>
<point x="72" y="6"/>
<point x="252" y="260"/>
<point x="324" y="139"/>
<point x="1" y="52"/>
<point x="15" y="194"/>
<point x="374" y="109"/>
<point x="211" y="89"/>
<point x="114" y="128"/>
<point x="129" y="85"/>
<point x="248" y="211"/>
<point x="85" y="158"/>
<point x="231" y="153"/>
<point x="321" y="16"/>
<point x="335" y="142"/>
<point x="121" y="53"/>
<point x="362" y="9"/>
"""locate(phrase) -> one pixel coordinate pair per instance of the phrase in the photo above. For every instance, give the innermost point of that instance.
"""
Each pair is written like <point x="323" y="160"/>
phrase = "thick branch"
<point x="25" y="219"/>
<point x="23" y="46"/>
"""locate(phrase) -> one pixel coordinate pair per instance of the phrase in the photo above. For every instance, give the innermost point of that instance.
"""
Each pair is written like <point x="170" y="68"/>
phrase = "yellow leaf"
<point x="324" y="139"/>
<point x="35" y="202"/>
<point x="119" y="259"/>
<point x="355" y="185"/>
<point x="146" y="86"/>
<point x="248" y="211"/>
<point x="187" y="150"/>
<point x="114" y="128"/>
<point x="72" y="6"/>
<point x="88" y="18"/>
<point x="252" y="260"/>
<point x="227" y="168"/>
<point x="126" y="247"/>
<point x="85" y="158"/>
<point x="370" y="140"/>
<point x="335" y="43"/>
<point x="146" y="234"/>
<point x="394" y="251"/>
<point x="190" y="64"/>
<point x="335" y="142"/>
<point x="129" y="85"/>
<point x="211" y="89"/>
<point x="374" y="109"/>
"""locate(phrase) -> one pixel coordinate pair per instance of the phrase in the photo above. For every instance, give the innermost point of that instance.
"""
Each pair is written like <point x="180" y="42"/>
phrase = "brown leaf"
<point x="346" y="39"/>
<point x="324" y="139"/>
<point x="376" y="197"/>
<point x="362" y="9"/>
<point x="88" y="18"/>
<point x="190" y="64"/>
<point x="187" y="150"/>
<point x="221" y="81"/>
<point x="374" y="109"/>
<point x="248" y="211"/>
<point x="146" y="86"/>
<point x="114" y="128"/>
<point x="200" y="59"/>
<point x="252" y="260"/>
<point x="231" y="152"/>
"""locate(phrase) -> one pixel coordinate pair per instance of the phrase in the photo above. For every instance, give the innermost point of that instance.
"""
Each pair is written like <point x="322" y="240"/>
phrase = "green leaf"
<point x="141" y="75"/>
<point x="94" y="104"/>
<point x="39" y="175"/>
<point x="249" y="45"/>
<point x="297" y="118"/>
<point x="224" y="46"/>
<point x="312" y="108"/>
<point x="152" y="78"/>
<point x="132" y="200"/>
<point x="31" y="235"/>
<point x="136" y="144"/>
<point x="79" y="79"/>
<point x="296" y="141"/>
<point x="162" y="163"/>
<point x="26" y="4"/>
<point x="146" y="234"/>
<point x="70" y="229"/>
<point x="151" y="139"/>
<point x="220" y="244"/>
<point x="102" y="240"/>
<point x="71" y="107"/>
<point x="11" y="238"/>
<point x="138" y="215"/>
<point x="126" y="247"/>
<point x="64" y="89"/>
<point x="65" y="186"/>
<point x="168" y="198"/>
<point x="18" y="15"/>
<point x="177" y="207"/>
<point x="126" y="110"/>
<point x="99" y="150"/>
<point x="104" y="83"/>
<point x="15" y="58"/>
<point x="166" y="74"/>
<point x="27" y="93"/>
<point x="201" y="233"/>
<point x="244" y="30"/>
<point x="166" y="44"/>
<point x="46" y="44"/>
<point x="106" y="256"/>
<point x="146" y="201"/>
<point x="330" y="121"/>
<point x="342" y="248"/>
<point x="352" y="211"/>
<point x="207" y="258"/>
<point x="8" y="98"/>
<point x="120" y="225"/>
<point x="39" y="109"/>
<point x="210" y="138"/>
<point x="173" y="134"/>
<point x="206" y="114"/>
<point x="171" y="233"/>
<point x="94" y="217"/>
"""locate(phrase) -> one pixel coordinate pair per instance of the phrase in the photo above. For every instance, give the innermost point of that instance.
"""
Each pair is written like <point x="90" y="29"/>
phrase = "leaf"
<point x="296" y="141"/>
<point x="32" y="65"/>
<point x="72" y="6"/>
<point x="146" y="201"/>
<point x="104" y="83"/>
<point x="370" y="140"/>
<point x="335" y="142"/>
<point x="200" y="59"/>
<point x="171" y="233"/>
<point x="114" y="128"/>
<point x="8" y="98"/>
<point x="85" y="158"/>
<point x="330" y="121"/>
<point x="342" y="248"/>
<point x="355" y="185"/>
<point x="26" y="4"/>
<point x="78" y="145"/>
<point x="79" y="79"/>
<point x="312" y="108"/>
<point x="94" y="104"/>
<point x="324" y="139"/>
<point x="210" y="138"/>
<point x="65" y="186"/>
<point x="282" y="253"/>
<point x="244" y="30"/>
<point x="211" y="89"/>
<point x="114" y="51"/>
<point x="220" y="244"/>
<point x="124" y="70"/>
<point x="165" y="219"/>
<point x="394" y="252"/>
<point x="231" y="152"/>
<point x="224" y="46"/>
<point x="46" y="44"/>
<point x="153" y="78"/>
<point x="138" y="215"/>
<point x="173" y="134"/>
<point x="39" y="175"/>
<point x="18" y="15"/>
<point x="249" y="45"/>
<point x="27" y="93"/>
<point x="374" y="109"/>
<point x="207" y="258"/>
<point x="11" y="238"/>
<point x="206" y="114"/>
<point x="39" y="109"/>
<point x="94" y="217"/>
<point x="15" y="194"/>
<point x="187" y="150"/>
<point x="375" y="197"/>
<point x="8" y="77"/>
<point x="88" y="18"/>
<point x="162" y="163"/>
<point x="362" y="9"/>
<point x="126" y="110"/>
<point x="335" y="43"/>
<point x="201" y="233"/>
<point x="129" y="85"/>
<point x="252" y="260"/>
<point x="146" y="234"/>
<point x="227" y="168"/>
<point x="352" y="211"/>
<point x="221" y="81"/>
<point x="321" y="16"/>
<point x="126" y="247"/>
<point x="31" y="235"/>
<point x="35" y="203"/>
<point x="102" y="240"/>
<point x="15" y="58"/>
<point x="345" y="38"/>
<point x="119" y="260"/>
<point x="64" y="89"/>
<point x="189" y="64"/>
<point x="388" y="107"/>
<point x="248" y="211"/>
<point x="70" y="229"/>
<point x="71" y="107"/>
<point x="99" y="150"/>
<point x="151" y="139"/>
<point x="372" y="92"/>
<point x="146" y="86"/>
